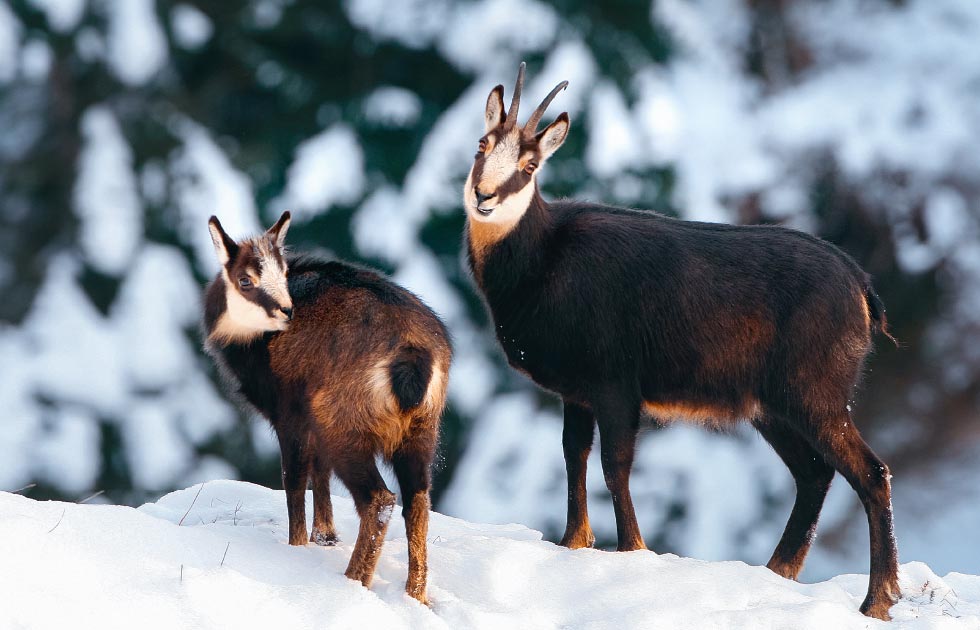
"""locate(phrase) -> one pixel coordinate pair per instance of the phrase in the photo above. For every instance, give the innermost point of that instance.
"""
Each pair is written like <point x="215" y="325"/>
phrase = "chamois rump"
<point x="628" y="313"/>
<point x="345" y="365"/>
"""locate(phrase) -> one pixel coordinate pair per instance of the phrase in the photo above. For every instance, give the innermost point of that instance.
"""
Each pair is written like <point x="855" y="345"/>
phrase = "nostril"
<point x="480" y="197"/>
<point x="287" y="311"/>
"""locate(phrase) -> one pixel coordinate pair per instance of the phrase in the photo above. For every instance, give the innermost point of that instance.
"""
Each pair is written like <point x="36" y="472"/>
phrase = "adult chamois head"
<point x="630" y="315"/>
<point x="346" y="366"/>
<point x="503" y="180"/>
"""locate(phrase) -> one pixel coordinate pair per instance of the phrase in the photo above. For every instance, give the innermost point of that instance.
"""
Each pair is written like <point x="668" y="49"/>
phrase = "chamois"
<point x="627" y="314"/>
<point x="345" y="365"/>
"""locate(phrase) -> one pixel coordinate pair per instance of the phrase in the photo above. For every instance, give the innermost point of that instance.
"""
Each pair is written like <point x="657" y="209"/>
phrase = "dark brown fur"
<point x="626" y="314"/>
<point x="361" y="371"/>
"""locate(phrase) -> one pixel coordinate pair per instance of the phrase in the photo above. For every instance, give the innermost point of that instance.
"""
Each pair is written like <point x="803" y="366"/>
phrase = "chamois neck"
<point x="485" y="237"/>
<point x="514" y="256"/>
<point x="227" y="332"/>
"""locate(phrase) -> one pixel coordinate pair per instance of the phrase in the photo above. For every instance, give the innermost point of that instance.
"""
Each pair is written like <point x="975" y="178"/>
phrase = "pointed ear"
<point x="278" y="231"/>
<point x="224" y="246"/>
<point x="495" y="109"/>
<point x="553" y="136"/>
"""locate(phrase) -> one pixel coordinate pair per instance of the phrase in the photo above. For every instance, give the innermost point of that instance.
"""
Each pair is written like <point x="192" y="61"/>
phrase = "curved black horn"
<point x="531" y="126"/>
<point x="515" y="101"/>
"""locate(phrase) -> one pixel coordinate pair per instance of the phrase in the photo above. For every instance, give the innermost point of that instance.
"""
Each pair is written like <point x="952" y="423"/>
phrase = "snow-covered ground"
<point x="216" y="557"/>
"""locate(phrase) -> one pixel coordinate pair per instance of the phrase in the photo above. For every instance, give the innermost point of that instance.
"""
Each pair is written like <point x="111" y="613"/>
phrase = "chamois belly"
<point x="704" y="391"/>
<point x="712" y="414"/>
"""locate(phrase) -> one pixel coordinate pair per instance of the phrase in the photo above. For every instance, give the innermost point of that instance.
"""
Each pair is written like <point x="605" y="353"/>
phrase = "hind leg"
<point x="576" y="440"/>
<point x="324" y="533"/>
<point x="295" y="454"/>
<point x="813" y="476"/>
<point x="412" y="464"/>
<point x="842" y="446"/>
<point x="374" y="503"/>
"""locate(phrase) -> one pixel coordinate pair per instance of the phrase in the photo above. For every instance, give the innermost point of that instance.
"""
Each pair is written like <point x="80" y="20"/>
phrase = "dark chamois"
<point x="627" y="313"/>
<point x="345" y="365"/>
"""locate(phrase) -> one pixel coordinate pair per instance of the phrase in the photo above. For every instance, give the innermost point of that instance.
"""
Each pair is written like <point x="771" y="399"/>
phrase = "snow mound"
<point x="216" y="557"/>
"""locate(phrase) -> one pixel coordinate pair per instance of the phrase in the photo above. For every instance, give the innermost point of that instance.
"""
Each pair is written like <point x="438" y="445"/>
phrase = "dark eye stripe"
<point x="265" y="300"/>
<point x="514" y="183"/>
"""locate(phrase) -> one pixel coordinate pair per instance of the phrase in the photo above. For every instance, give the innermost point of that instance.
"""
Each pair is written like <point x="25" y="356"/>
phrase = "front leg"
<point x="576" y="440"/>
<point x="324" y="532"/>
<point x="618" y="424"/>
<point x="295" y="452"/>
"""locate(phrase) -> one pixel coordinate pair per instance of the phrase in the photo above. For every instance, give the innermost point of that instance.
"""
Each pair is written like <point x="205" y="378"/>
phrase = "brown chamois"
<point x="628" y="314"/>
<point x="345" y="365"/>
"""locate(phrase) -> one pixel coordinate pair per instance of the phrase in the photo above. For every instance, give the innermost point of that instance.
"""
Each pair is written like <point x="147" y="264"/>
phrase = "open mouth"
<point x="484" y="211"/>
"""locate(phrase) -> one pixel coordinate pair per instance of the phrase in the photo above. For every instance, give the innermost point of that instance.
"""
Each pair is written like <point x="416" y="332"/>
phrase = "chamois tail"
<point x="876" y="310"/>
<point x="410" y="373"/>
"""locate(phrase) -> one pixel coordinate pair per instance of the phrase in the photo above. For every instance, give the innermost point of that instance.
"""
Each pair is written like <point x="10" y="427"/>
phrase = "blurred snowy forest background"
<point x="126" y="123"/>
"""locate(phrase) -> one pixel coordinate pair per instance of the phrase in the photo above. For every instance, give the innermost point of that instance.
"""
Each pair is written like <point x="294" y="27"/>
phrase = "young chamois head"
<point x="501" y="183"/>
<point x="253" y="275"/>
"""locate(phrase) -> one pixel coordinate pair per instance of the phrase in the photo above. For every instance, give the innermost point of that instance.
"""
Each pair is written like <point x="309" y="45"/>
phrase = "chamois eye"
<point x="530" y="167"/>
<point x="482" y="147"/>
<point x="245" y="282"/>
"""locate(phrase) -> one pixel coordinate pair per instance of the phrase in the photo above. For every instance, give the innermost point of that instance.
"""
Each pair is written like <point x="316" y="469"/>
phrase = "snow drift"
<point x="216" y="557"/>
